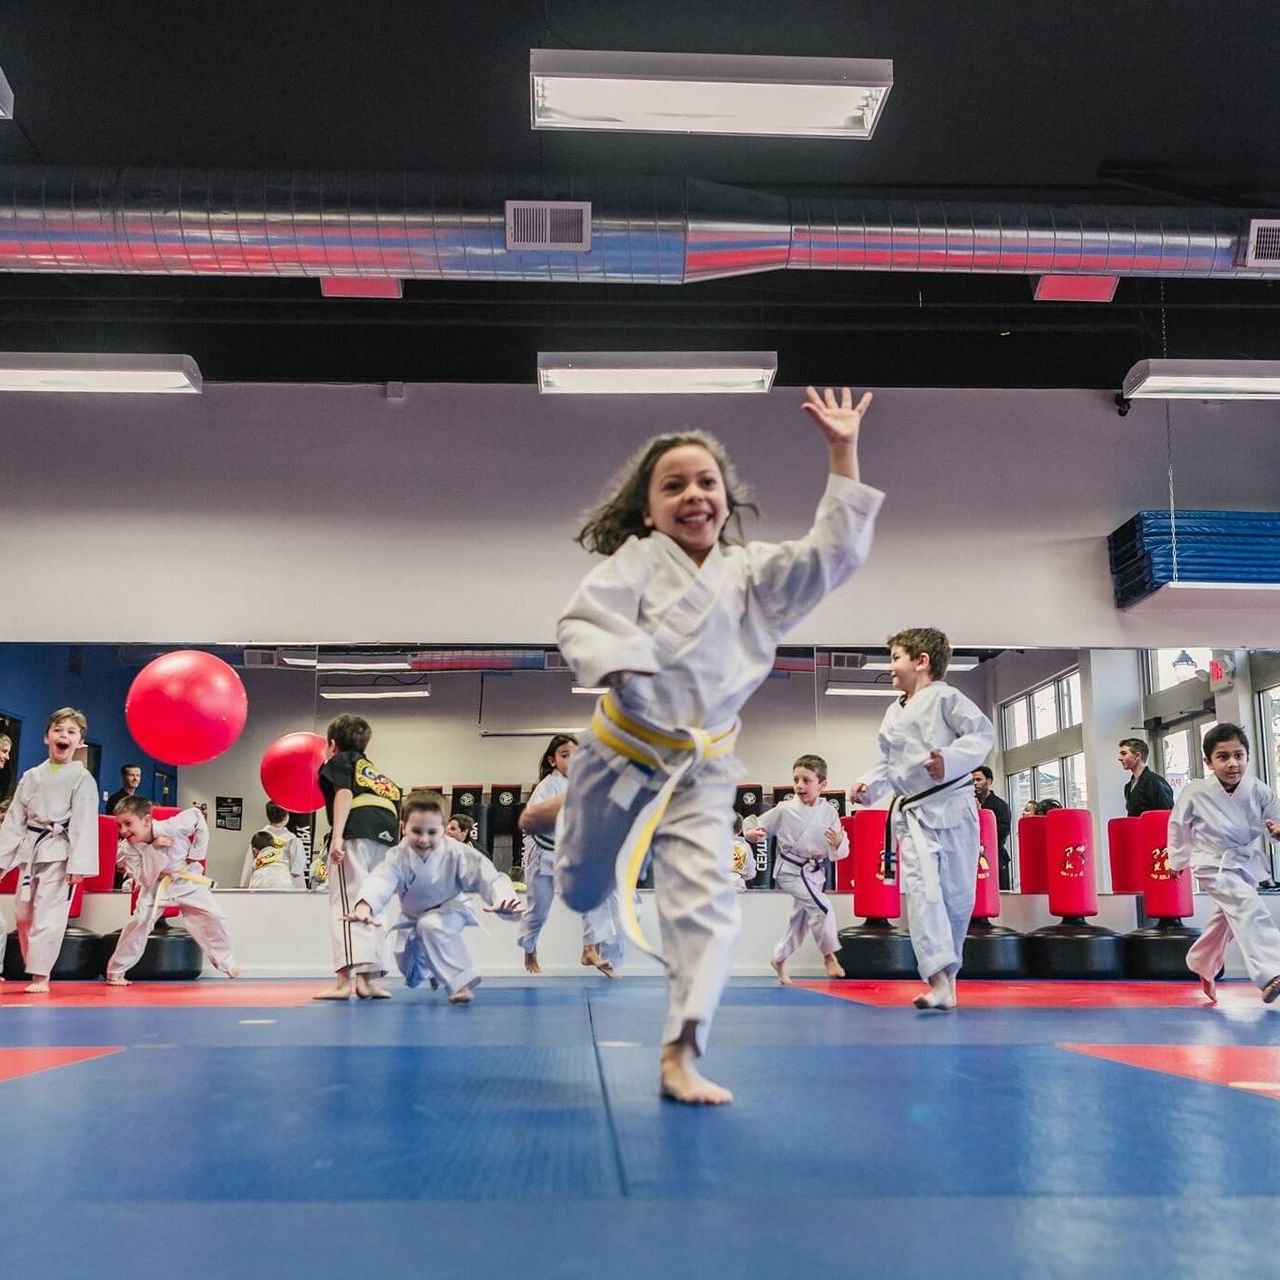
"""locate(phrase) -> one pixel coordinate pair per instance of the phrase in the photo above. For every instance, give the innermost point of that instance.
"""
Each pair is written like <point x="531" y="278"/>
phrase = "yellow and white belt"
<point x="642" y="744"/>
<point x="192" y="877"/>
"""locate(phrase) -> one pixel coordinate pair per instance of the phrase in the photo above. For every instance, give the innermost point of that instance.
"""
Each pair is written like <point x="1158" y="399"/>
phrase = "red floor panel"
<point x="215" y="993"/>
<point x="26" y="1062"/>
<point x="1255" y="1068"/>
<point x="1044" y="995"/>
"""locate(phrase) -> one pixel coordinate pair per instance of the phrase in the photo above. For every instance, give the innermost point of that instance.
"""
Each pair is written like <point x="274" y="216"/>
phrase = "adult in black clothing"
<point x="130" y="781"/>
<point x="987" y="799"/>
<point x="1145" y="789"/>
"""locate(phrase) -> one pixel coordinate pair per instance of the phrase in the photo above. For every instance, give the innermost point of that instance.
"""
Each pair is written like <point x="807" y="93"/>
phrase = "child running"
<point x="683" y="626"/>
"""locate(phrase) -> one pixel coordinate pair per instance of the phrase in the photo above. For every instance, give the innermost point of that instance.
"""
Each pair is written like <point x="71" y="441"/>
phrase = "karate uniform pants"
<point x="540" y="892"/>
<point x="692" y="852"/>
<point x="807" y="917"/>
<point x="603" y="928"/>
<point x="938" y="928"/>
<point x="1237" y="912"/>
<point x="40" y="913"/>
<point x="356" y="947"/>
<point x="434" y="948"/>
<point x="201" y="915"/>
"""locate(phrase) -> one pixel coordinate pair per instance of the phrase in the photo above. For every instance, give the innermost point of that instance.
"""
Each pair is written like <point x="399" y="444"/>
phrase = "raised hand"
<point x="858" y="793"/>
<point x="834" y="836"/>
<point x="838" y="420"/>
<point x="507" y="907"/>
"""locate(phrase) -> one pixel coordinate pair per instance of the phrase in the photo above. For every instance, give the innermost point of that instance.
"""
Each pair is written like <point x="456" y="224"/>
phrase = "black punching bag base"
<point x="171" y="956"/>
<point x="1160" y="952"/>
<point x="992" y="951"/>
<point x="80" y="959"/>
<point x="1075" y="949"/>
<point x="876" y="949"/>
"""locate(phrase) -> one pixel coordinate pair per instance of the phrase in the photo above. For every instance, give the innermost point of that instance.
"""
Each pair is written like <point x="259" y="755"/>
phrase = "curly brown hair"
<point x="621" y="515"/>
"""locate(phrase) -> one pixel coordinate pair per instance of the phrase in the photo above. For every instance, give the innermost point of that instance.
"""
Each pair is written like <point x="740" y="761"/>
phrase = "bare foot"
<point x="1210" y="989"/>
<point x="234" y="971"/>
<point x="592" y="959"/>
<point x="681" y="1081"/>
<point x="784" y="978"/>
<point x="38" y="986"/>
<point x="118" y="982"/>
<point x="940" y="996"/>
<point x="531" y="964"/>
<point x="1269" y="992"/>
<point x="832" y="966"/>
<point x="461" y="997"/>
<point x="367" y="990"/>
<point x="339" y="991"/>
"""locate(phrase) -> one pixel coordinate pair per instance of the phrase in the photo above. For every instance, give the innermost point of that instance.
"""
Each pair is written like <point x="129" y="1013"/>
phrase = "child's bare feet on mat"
<point x="780" y="968"/>
<point x="531" y="964"/>
<point x="461" y="997"/>
<point x="681" y="1081"/>
<point x="118" y="982"/>
<point x="832" y="966"/>
<point x="38" y="986"/>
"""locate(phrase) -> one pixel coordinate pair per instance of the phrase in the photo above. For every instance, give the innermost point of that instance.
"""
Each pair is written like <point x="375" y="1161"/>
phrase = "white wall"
<point x="332" y="513"/>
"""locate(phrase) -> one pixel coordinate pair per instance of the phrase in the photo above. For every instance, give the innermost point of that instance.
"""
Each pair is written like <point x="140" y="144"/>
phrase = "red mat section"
<point x="26" y="1062"/>
<point x="1253" y="1068"/>
<point x="1044" y="995"/>
<point x="156" y="995"/>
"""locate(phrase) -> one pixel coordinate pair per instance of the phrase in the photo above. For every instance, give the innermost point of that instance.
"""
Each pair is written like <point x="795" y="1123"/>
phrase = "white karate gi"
<point x="153" y="871"/>
<point x="290" y="872"/>
<point x="51" y="832"/>
<point x="746" y="849"/>
<point x="938" y="835"/>
<point x="697" y="642"/>
<point x="800" y="869"/>
<point x="357" y="947"/>
<point x="430" y="889"/>
<point x="1220" y="836"/>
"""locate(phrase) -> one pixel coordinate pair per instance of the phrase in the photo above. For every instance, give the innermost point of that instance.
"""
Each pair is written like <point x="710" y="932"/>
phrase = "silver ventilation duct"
<point x="643" y="230"/>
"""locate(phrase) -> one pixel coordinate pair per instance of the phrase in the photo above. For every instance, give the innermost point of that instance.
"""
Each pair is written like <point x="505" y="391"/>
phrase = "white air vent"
<point x="1264" y="243"/>
<point x="845" y="661"/>
<point x="549" y="225"/>
<point x="554" y="660"/>
<point x="259" y="657"/>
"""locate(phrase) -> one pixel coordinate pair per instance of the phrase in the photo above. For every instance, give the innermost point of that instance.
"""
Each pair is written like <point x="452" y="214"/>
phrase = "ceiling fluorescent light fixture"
<point x="363" y="662"/>
<point x="1183" y="585"/>
<point x="96" y="372"/>
<point x="596" y="689"/>
<point x="372" y="694"/>
<point x="638" y="373"/>
<point x="867" y="691"/>
<point x="752" y="96"/>
<point x="6" y="98"/>
<point x="1203" y="380"/>
<point x="956" y="664"/>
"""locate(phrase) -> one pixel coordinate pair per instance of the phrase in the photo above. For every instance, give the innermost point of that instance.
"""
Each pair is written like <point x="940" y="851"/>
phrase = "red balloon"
<point x="186" y="707"/>
<point x="288" y="772"/>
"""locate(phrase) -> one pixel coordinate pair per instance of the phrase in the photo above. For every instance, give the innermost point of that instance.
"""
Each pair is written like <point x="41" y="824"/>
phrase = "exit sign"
<point x="1222" y="673"/>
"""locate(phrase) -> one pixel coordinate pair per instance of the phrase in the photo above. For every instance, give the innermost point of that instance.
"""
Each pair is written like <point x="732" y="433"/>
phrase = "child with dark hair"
<point x="1217" y="829"/>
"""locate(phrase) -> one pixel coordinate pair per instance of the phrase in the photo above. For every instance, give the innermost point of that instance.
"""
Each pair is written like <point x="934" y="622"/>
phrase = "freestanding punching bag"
<point x="879" y="947"/>
<point x="990" y="950"/>
<point x="1160" y="950"/>
<point x="1124" y="844"/>
<point x="1032" y="877"/>
<point x="1074" y="948"/>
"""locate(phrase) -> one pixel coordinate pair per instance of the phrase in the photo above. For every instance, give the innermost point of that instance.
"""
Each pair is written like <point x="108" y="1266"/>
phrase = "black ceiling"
<point x="1169" y="103"/>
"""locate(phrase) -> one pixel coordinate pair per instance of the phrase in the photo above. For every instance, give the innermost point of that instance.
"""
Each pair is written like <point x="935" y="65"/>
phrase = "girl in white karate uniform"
<point x="1217" y="830"/>
<point x="809" y="835"/>
<point x="932" y="739"/>
<point x="602" y="942"/>
<point x="51" y="833"/>
<point x="683" y="625"/>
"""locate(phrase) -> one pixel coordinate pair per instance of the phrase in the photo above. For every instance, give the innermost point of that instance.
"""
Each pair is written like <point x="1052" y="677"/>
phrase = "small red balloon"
<point x="186" y="707"/>
<point x="288" y="772"/>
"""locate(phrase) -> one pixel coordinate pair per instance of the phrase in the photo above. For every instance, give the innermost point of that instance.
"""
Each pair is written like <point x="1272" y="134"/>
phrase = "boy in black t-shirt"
<point x="363" y="808"/>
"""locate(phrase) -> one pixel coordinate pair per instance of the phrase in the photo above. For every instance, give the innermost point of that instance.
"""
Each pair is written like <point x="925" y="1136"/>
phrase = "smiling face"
<point x="63" y="739"/>
<point x="687" y="500"/>
<point x="424" y="830"/>
<point x="1229" y="761"/>
<point x="906" y="671"/>
<point x="132" y="779"/>
<point x="135" y="827"/>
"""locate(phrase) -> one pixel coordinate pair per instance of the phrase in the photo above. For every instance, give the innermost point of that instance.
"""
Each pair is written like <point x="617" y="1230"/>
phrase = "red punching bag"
<point x="844" y="868"/>
<point x="1032" y="876"/>
<point x="872" y="897"/>
<point x="987" y="901"/>
<point x="1070" y="863"/>
<point x="1166" y="893"/>
<point x="1124" y="842"/>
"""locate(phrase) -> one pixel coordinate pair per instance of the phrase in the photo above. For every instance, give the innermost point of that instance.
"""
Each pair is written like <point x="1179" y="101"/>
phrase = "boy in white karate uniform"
<point x="683" y="626"/>
<point x="163" y="857"/>
<point x="51" y="832"/>
<point x="431" y="873"/>
<point x="932" y="739"/>
<point x="809" y="835"/>
<point x="290" y="869"/>
<point x="1217" y="830"/>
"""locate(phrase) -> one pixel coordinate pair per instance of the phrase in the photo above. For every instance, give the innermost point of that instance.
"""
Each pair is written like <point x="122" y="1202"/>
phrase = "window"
<point x="1069" y="691"/>
<point x="1017" y="723"/>
<point x="1048" y="781"/>
<point x="1044" y="707"/>
<point x="1018" y="791"/>
<point x="1167" y="667"/>
<point x="1175" y="755"/>
<point x="1075" y="789"/>
<point x="1269" y="722"/>
<point x="1042" y="712"/>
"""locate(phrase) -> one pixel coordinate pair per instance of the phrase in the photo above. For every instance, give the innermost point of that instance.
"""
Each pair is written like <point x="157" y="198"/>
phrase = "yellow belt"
<point x="376" y="802"/>
<point x="636" y="741"/>
<point x="192" y="877"/>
